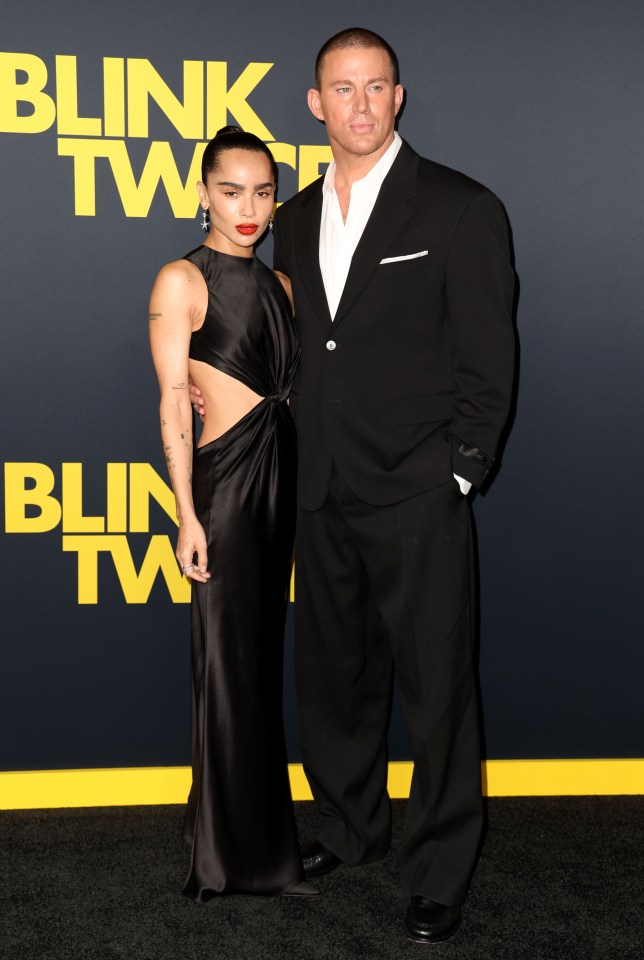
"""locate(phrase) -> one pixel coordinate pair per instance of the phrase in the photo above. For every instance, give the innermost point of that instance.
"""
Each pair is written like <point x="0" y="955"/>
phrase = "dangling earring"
<point x="205" y="221"/>
<point x="270" y="225"/>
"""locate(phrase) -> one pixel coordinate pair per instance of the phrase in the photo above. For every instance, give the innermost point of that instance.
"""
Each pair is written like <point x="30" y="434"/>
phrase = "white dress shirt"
<point x="339" y="238"/>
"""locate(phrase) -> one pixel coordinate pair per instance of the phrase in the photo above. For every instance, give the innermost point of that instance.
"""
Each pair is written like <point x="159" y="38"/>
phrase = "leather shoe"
<point x="301" y="889"/>
<point x="317" y="860"/>
<point x="429" y="922"/>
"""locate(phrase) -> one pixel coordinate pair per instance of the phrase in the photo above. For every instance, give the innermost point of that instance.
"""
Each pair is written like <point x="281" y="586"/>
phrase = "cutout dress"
<point x="239" y="820"/>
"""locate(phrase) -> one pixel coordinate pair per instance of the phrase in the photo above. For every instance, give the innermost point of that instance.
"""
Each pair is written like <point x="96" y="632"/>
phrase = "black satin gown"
<point x="239" y="821"/>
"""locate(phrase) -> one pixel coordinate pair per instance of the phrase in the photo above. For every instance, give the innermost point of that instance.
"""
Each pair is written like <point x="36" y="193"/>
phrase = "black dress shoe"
<point x="429" y="922"/>
<point x="317" y="860"/>
<point x="302" y="889"/>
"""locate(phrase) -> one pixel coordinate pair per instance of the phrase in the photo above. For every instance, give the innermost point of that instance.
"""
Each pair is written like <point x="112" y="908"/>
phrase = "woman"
<point x="223" y="318"/>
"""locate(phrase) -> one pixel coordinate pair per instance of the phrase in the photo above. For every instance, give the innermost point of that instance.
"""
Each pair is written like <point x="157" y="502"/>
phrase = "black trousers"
<point x="378" y="586"/>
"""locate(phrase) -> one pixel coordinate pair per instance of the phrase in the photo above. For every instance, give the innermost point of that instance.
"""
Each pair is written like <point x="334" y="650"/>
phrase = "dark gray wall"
<point x="543" y="103"/>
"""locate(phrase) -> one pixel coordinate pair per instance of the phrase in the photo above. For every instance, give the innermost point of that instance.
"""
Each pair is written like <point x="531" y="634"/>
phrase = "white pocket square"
<point x="407" y="256"/>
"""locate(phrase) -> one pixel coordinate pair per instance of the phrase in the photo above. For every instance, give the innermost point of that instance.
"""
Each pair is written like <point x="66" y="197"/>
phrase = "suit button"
<point x="330" y="344"/>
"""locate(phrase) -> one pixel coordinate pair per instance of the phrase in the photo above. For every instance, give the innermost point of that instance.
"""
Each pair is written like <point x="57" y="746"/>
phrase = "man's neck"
<point x="350" y="167"/>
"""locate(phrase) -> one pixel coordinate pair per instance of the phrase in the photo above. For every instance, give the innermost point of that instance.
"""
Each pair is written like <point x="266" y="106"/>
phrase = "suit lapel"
<point x="308" y="254"/>
<point x="392" y="210"/>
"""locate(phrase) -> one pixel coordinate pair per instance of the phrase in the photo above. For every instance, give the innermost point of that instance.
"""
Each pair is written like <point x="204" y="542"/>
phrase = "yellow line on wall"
<point x="562" y="778"/>
<point x="160" y="785"/>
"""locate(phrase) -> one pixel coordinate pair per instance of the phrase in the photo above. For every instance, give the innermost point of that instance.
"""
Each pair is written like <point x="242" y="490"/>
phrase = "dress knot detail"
<point x="279" y="397"/>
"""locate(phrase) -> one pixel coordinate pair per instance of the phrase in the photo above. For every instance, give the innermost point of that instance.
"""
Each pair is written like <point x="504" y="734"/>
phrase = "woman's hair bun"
<point x="233" y="138"/>
<point x="228" y="129"/>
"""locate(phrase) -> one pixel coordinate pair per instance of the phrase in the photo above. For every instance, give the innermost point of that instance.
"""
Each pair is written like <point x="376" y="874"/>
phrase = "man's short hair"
<point x="356" y="37"/>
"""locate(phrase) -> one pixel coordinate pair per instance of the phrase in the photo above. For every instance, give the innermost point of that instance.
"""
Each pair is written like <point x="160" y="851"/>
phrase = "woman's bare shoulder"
<point x="178" y="273"/>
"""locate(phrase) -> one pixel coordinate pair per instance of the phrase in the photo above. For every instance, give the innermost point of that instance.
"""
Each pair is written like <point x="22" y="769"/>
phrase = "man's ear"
<point x="315" y="104"/>
<point x="399" y="96"/>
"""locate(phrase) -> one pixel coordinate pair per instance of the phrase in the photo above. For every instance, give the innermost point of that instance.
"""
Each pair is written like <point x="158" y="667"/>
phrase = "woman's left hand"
<point x="191" y="541"/>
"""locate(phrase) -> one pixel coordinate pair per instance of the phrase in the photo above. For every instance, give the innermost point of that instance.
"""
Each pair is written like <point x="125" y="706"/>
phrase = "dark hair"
<point x="356" y="37"/>
<point x="233" y="138"/>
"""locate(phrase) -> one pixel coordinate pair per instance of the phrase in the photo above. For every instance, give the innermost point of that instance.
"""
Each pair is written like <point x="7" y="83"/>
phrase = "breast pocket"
<point x="404" y="263"/>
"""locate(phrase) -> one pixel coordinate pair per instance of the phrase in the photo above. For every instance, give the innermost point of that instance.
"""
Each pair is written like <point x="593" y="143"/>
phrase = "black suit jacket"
<point x="412" y="380"/>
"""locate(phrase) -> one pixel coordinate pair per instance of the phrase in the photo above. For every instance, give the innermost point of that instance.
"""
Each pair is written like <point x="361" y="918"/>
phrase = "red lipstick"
<point x="248" y="229"/>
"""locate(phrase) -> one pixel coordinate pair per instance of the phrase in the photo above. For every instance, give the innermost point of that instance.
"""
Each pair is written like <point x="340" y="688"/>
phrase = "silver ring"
<point x="190" y="567"/>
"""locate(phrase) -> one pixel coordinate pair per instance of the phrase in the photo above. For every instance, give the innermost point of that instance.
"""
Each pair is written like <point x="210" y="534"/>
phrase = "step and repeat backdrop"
<point x="104" y="113"/>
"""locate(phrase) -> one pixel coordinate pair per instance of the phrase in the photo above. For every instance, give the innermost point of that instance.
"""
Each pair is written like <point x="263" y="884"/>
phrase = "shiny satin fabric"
<point x="239" y="820"/>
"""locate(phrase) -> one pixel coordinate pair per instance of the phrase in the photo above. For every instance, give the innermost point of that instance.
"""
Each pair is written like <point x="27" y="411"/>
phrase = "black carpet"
<point x="557" y="878"/>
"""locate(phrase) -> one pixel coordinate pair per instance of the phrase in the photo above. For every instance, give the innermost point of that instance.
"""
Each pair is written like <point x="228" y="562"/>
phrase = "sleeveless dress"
<point x="239" y="820"/>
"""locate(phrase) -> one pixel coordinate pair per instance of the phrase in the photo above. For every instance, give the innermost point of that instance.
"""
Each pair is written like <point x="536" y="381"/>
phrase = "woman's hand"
<point x="191" y="541"/>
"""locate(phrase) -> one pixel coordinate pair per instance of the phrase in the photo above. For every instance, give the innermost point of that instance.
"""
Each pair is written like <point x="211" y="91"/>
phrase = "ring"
<point x="190" y="567"/>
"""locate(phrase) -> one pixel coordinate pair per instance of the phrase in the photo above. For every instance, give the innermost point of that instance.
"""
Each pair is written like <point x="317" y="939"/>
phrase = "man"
<point x="403" y="291"/>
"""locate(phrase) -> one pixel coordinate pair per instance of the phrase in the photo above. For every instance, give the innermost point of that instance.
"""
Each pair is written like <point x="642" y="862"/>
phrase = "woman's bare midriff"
<point x="226" y="400"/>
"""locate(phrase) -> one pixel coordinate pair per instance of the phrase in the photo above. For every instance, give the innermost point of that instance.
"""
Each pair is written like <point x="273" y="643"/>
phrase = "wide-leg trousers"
<point x="378" y="586"/>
